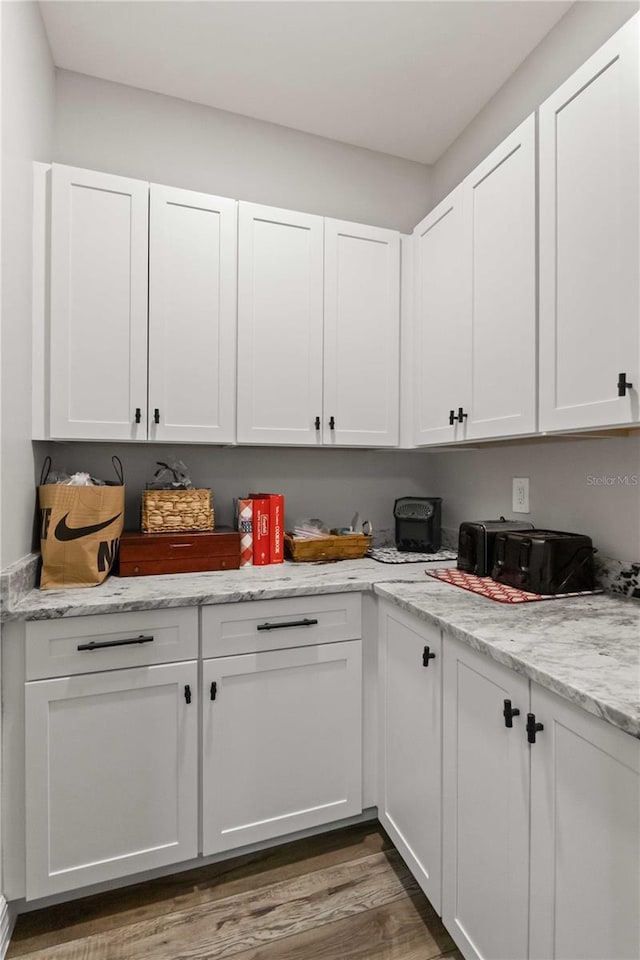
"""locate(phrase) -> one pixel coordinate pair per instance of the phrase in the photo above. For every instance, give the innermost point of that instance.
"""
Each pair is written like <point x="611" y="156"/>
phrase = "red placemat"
<point x="486" y="587"/>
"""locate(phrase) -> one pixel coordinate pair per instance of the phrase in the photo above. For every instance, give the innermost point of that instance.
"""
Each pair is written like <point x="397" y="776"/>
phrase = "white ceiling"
<point x="404" y="78"/>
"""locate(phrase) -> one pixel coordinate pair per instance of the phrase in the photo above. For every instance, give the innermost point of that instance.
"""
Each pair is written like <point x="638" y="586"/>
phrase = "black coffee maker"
<point x="418" y="524"/>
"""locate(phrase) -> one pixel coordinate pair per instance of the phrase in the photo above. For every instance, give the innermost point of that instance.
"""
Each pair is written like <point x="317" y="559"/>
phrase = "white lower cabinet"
<point x="485" y="806"/>
<point x="110" y="746"/>
<point x="541" y="827"/>
<point x="282" y="742"/>
<point x="282" y="717"/>
<point x="409" y="704"/>
<point x="111" y="775"/>
<point x="585" y="836"/>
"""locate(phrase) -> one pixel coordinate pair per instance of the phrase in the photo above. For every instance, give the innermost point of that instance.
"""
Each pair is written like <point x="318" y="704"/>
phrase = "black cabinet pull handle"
<point x="623" y="384"/>
<point x="462" y="416"/>
<point x="291" y="623"/>
<point x="317" y="423"/>
<point x="332" y="423"/>
<point x="187" y="693"/>
<point x="101" y="644"/>
<point x="156" y="415"/>
<point x="533" y="727"/>
<point x="509" y="713"/>
<point x="138" y="416"/>
<point x="213" y="690"/>
<point x="426" y="656"/>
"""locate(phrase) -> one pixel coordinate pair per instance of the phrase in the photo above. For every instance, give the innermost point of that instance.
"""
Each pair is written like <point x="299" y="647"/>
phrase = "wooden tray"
<point x="351" y="546"/>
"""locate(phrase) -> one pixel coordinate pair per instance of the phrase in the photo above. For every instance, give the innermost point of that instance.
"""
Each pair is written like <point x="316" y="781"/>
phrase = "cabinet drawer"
<point x="256" y="625"/>
<point x="54" y="648"/>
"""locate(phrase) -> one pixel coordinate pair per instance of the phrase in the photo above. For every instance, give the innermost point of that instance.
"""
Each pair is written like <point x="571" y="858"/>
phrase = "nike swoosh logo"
<point x="63" y="532"/>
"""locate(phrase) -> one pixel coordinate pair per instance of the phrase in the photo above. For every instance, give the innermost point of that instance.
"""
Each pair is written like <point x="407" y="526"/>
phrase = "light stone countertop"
<point x="122" y="594"/>
<point x="586" y="649"/>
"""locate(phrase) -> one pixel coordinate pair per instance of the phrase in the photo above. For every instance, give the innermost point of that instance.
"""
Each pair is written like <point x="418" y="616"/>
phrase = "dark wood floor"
<point x="345" y="895"/>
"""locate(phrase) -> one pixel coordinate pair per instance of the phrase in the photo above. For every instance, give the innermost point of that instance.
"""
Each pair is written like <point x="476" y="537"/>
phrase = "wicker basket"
<point x="350" y="546"/>
<point x="166" y="511"/>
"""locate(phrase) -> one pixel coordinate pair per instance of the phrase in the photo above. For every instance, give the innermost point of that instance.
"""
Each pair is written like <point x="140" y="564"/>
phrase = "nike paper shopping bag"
<point x="80" y="530"/>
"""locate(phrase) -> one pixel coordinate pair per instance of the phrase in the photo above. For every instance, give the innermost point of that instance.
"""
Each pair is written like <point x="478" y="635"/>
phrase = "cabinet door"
<point x="111" y="775"/>
<point x="282" y="742"/>
<point x="485" y="868"/>
<point x="280" y="283"/>
<point x="500" y="240"/>
<point x="192" y="316"/>
<point x="589" y="250"/>
<point x="585" y="835"/>
<point x="361" y="335"/>
<point x="441" y="355"/>
<point x="98" y="331"/>
<point x="409" y="792"/>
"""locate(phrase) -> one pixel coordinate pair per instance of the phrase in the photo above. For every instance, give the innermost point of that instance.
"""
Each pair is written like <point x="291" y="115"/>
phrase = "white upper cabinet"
<point x="499" y="200"/>
<point x="280" y="256"/>
<point x="589" y="250"/>
<point x="441" y="335"/>
<point x="318" y="330"/>
<point x="98" y="326"/>
<point x="361" y="335"/>
<point x="120" y="371"/>
<point x="192" y="316"/>
<point x="474" y="367"/>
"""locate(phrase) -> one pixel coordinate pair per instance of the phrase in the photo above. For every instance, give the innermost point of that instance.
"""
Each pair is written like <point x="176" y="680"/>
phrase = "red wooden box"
<point x="145" y="554"/>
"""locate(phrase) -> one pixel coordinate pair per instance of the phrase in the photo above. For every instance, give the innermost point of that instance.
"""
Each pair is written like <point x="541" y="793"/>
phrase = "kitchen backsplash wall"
<point x="324" y="483"/>
<point x="581" y="486"/>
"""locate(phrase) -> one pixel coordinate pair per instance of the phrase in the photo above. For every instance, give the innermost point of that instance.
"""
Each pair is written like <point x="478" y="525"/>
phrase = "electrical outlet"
<point x="520" y="495"/>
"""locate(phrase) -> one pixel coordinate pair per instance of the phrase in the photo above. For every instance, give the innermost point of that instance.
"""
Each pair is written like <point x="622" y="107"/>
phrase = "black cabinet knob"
<point x="533" y="727"/>
<point x="187" y="693"/>
<point x="426" y="656"/>
<point x="138" y="416"/>
<point x="317" y="423"/>
<point x="452" y="418"/>
<point x="462" y="416"/>
<point x="332" y="423"/>
<point x="509" y="713"/>
<point x="623" y="385"/>
<point x="156" y="415"/>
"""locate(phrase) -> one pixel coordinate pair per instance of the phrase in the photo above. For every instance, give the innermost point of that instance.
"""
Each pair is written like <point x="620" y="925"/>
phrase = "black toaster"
<point x="544" y="561"/>
<point x="476" y="543"/>
<point x="418" y="524"/>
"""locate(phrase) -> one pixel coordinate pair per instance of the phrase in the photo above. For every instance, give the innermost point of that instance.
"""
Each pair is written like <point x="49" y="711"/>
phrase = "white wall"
<point x="119" y="129"/>
<point x="330" y="484"/>
<point x="27" y="125"/>
<point x="583" y="29"/>
<point x="575" y="485"/>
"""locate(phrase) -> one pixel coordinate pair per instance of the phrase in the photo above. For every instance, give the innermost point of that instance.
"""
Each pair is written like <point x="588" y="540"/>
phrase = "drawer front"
<point x="255" y="625"/>
<point x="60" y="648"/>
<point x="149" y="568"/>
